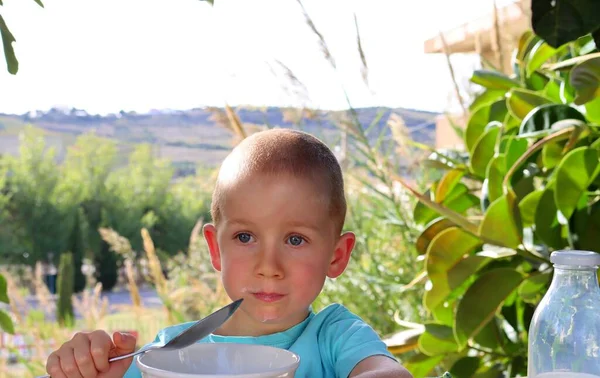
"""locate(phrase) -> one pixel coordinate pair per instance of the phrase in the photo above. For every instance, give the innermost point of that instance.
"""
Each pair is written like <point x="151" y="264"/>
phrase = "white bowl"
<point x="222" y="360"/>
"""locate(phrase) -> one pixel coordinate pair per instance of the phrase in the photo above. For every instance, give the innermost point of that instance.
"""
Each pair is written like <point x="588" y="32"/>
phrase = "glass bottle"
<point x="564" y="335"/>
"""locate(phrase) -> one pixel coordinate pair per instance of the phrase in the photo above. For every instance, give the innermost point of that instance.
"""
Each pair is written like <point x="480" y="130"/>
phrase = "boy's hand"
<point x="86" y="356"/>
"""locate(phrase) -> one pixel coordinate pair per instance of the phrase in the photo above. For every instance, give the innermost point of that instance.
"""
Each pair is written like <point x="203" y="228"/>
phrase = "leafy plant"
<point x="561" y="21"/>
<point x="6" y="323"/>
<point x="530" y="185"/>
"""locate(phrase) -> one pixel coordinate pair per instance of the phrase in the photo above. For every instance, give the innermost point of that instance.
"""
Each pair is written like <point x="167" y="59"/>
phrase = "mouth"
<point x="268" y="297"/>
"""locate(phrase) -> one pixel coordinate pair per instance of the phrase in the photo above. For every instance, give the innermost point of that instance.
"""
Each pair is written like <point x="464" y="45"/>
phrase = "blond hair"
<point x="284" y="151"/>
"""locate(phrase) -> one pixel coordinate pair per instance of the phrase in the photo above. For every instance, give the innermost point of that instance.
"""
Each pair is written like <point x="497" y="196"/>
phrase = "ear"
<point x="210" y="234"/>
<point x="341" y="255"/>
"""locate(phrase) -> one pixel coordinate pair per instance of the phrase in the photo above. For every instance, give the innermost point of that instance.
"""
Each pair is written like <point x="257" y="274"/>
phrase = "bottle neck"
<point x="581" y="277"/>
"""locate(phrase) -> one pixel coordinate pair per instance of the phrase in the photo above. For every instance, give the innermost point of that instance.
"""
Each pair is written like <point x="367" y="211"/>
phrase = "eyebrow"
<point x="296" y="224"/>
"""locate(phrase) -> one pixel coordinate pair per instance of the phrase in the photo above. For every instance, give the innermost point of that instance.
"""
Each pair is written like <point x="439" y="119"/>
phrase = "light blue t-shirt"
<point x="330" y="343"/>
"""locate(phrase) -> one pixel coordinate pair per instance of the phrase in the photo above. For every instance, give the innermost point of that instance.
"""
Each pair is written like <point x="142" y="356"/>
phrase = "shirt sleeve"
<point x="349" y="341"/>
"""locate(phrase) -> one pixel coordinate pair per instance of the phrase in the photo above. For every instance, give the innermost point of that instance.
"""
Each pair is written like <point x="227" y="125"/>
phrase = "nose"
<point x="268" y="264"/>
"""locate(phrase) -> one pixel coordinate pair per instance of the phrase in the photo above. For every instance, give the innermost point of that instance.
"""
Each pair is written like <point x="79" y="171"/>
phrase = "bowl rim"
<point x="170" y="374"/>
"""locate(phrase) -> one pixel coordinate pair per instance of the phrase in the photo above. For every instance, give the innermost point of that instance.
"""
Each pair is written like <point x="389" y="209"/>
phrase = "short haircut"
<point x="284" y="151"/>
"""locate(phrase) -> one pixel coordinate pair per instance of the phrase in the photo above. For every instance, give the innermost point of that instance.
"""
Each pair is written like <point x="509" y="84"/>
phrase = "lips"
<point x="268" y="297"/>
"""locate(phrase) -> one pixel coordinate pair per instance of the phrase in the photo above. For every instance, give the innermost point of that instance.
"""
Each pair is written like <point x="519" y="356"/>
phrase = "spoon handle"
<point x="117" y="358"/>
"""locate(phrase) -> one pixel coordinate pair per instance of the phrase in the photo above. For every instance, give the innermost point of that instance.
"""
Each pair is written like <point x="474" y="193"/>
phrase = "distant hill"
<point x="193" y="137"/>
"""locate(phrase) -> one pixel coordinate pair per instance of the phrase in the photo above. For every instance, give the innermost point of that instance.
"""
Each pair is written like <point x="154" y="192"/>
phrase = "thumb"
<point x="124" y="342"/>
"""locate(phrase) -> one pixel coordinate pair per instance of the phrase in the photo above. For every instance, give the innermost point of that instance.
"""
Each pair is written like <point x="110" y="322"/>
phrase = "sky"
<point x="105" y="56"/>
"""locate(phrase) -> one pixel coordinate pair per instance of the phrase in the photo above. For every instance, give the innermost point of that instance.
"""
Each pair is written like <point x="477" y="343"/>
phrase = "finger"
<point x="53" y="366"/>
<point x="68" y="363"/>
<point x="100" y="346"/>
<point x="125" y="342"/>
<point x="84" y="361"/>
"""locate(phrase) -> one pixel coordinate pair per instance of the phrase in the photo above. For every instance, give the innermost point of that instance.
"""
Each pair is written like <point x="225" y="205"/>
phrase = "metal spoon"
<point x="189" y="336"/>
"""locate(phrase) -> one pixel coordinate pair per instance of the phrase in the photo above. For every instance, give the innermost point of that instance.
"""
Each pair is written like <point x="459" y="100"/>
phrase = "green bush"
<point x="530" y="185"/>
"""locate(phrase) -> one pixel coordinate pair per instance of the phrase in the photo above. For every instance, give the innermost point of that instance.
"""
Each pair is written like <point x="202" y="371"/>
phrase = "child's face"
<point x="275" y="244"/>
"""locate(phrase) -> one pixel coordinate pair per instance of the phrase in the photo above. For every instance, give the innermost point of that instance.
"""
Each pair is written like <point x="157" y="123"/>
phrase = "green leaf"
<point x="488" y="337"/>
<point x="538" y="82"/>
<point x="486" y="98"/>
<point x="3" y="290"/>
<point x="422" y="213"/>
<point x="6" y="323"/>
<point x="593" y="110"/>
<point x="437" y="339"/>
<point x="543" y="117"/>
<point x="531" y="289"/>
<point x="547" y="227"/>
<point x="431" y="230"/>
<point x="458" y="200"/>
<point x="421" y="365"/>
<point x="447" y="184"/>
<point x="444" y="313"/>
<point x="484" y="150"/>
<point x="552" y="91"/>
<point x="586" y="225"/>
<point x="574" y="174"/>
<point x="9" y="53"/>
<point x="502" y="222"/>
<point x="493" y="80"/>
<point x="452" y="215"/>
<point x="552" y="154"/>
<point x="526" y="42"/>
<point x="465" y="367"/>
<point x="521" y="102"/>
<point x="539" y="55"/>
<point x="515" y="149"/>
<point x="444" y="252"/>
<point x="585" y="78"/>
<point x="466" y="268"/>
<point x="482" y="300"/>
<point x="481" y="118"/>
<point x="495" y="175"/>
<point x="561" y="21"/>
<point x="39" y="2"/>
<point x="528" y="207"/>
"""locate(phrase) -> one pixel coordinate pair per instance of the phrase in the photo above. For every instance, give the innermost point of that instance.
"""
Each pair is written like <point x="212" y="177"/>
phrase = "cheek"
<point x="308" y="275"/>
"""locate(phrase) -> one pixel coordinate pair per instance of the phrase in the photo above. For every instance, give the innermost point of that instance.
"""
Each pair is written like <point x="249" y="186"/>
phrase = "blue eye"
<point x="244" y="237"/>
<point x="295" y="240"/>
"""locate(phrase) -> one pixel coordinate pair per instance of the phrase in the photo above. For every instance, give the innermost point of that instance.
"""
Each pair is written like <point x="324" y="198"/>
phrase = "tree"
<point x="35" y="206"/>
<point x="66" y="275"/>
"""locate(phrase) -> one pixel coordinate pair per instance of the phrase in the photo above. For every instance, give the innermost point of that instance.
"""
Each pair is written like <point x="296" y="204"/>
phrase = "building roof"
<point x="513" y="19"/>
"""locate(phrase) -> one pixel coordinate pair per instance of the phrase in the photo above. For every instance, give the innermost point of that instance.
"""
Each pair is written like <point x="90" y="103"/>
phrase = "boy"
<point x="278" y="210"/>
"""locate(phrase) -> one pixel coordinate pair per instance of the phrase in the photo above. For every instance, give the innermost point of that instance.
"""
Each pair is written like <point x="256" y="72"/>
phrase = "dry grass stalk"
<point x="497" y="40"/>
<point x="133" y="288"/>
<point x="322" y="43"/>
<point x="155" y="267"/>
<point x="364" y="69"/>
<point x="117" y="243"/>
<point x="195" y="235"/>
<point x="235" y="123"/>
<point x="400" y="133"/>
<point x="91" y="306"/>
<point x="453" y="76"/>
<point x="298" y="87"/>
<point x="122" y="246"/>
<point x="16" y="299"/>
